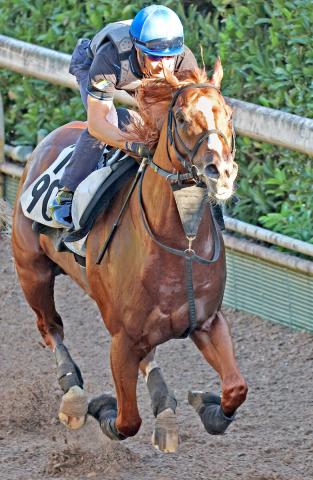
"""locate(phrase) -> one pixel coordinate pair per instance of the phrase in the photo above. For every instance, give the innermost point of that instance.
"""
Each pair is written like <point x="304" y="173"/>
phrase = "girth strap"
<point x="191" y="299"/>
<point x="181" y="253"/>
<point x="189" y="256"/>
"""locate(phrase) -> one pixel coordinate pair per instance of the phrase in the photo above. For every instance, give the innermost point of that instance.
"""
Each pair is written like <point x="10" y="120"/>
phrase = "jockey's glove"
<point x="139" y="149"/>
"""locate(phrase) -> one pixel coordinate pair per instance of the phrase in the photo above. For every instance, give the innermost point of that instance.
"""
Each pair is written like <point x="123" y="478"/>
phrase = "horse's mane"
<point x="153" y="98"/>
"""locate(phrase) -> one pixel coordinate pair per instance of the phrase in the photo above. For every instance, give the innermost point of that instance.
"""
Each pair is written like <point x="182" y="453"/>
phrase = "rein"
<point x="192" y="173"/>
<point x="188" y="254"/>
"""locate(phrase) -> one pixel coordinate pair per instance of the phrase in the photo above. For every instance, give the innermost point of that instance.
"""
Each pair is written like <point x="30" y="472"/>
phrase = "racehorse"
<point x="140" y="284"/>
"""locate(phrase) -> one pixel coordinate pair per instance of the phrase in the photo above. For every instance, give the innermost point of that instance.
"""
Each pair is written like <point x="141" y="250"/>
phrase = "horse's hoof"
<point x="73" y="408"/>
<point x="165" y="435"/>
<point x="208" y="407"/>
<point x="195" y="399"/>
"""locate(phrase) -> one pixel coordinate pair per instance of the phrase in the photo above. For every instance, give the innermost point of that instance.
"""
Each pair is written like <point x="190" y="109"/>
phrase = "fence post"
<point x="1" y="146"/>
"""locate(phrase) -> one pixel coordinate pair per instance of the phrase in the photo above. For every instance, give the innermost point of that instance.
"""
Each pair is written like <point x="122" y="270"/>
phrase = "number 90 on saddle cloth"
<point x="35" y="200"/>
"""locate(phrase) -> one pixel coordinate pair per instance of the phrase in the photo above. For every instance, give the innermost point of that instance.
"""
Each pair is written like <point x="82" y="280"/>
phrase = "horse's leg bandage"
<point x="104" y="409"/>
<point x="208" y="407"/>
<point x="69" y="375"/>
<point x="161" y="397"/>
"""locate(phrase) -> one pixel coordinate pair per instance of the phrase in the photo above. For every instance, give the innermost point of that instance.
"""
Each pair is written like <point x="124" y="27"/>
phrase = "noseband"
<point x="188" y="254"/>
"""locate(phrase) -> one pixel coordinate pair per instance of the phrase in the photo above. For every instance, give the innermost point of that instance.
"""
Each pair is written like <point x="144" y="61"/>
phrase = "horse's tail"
<point x="6" y="217"/>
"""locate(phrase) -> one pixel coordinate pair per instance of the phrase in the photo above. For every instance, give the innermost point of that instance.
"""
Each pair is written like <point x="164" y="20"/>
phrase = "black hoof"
<point x="104" y="409"/>
<point x="208" y="406"/>
<point x="69" y="375"/>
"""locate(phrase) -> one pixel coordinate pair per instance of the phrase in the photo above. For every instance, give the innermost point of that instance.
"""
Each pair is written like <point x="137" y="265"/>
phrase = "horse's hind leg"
<point x="37" y="274"/>
<point x="163" y="401"/>
<point x="215" y="343"/>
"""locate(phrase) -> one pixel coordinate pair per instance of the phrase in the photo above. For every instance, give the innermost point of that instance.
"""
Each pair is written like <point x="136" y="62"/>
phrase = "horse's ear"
<point x="217" y="76"/>
<point x="229" y="111"/>
<point x="170" y="77"/>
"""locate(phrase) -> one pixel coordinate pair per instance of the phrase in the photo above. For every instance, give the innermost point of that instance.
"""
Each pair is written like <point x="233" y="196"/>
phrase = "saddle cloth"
<point x="91" y="197"/>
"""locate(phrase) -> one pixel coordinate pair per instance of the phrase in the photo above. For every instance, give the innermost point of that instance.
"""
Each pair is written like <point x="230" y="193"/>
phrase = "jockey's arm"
<point x="102" y="122"/>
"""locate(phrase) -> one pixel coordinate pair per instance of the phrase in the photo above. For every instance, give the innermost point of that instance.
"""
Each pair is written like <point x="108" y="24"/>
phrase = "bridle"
<point x="173" y="137"/>
<point x="188" y="254"/>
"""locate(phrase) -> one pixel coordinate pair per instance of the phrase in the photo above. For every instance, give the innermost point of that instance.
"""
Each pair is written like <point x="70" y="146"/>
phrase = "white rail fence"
<point x="265" y="124"/>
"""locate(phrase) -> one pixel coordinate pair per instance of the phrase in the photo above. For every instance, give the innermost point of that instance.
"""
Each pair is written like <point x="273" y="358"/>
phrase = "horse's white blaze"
<point x="214" y="141"/>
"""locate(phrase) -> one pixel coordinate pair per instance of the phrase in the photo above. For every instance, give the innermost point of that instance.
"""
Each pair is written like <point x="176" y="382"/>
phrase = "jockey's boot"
<point x="60" y="208"/>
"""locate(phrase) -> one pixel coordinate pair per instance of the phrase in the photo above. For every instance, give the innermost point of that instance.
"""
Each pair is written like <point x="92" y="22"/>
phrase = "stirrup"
<point x="60" y="208"/>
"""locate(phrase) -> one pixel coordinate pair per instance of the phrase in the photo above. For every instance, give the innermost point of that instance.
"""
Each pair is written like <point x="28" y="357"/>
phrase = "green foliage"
<point x="275" y="189"/>
<point x="266" y="52"/>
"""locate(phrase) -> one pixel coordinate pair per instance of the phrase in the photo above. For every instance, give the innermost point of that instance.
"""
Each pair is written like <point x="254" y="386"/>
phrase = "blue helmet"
<point x="156" y="30"/>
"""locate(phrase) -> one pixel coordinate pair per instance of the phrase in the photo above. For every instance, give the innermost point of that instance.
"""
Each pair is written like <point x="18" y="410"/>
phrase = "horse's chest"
<point x="163" y="281"/>
<point x="166" y="284"/>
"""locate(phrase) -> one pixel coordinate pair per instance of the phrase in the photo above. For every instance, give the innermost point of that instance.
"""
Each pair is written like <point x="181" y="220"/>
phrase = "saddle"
<point x="92" y="197"/>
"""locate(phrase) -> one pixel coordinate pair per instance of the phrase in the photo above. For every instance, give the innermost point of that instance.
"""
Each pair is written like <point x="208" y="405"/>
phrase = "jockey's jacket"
<point x="118" y="34"/>
<point x="122" y="71"/>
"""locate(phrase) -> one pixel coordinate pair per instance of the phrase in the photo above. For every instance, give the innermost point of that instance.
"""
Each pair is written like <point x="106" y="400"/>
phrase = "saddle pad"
<point x="36" y="198"/>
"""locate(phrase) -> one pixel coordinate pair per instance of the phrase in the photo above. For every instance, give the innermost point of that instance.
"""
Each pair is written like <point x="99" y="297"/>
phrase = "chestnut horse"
<point x="140" y="285"/>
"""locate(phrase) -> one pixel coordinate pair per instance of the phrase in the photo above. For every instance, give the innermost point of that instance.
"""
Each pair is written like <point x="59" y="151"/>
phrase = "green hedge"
<point x="266" y="52"/>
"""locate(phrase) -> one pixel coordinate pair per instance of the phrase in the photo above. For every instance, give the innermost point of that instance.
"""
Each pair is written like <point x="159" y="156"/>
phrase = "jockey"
<point x="118" y="57"/>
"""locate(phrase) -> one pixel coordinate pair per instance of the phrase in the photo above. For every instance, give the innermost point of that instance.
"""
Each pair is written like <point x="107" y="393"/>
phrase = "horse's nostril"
<point x="211" y="171"/>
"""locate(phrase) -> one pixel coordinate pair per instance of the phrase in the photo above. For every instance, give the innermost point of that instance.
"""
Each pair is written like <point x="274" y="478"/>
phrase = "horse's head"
<point x="201" y="133"/>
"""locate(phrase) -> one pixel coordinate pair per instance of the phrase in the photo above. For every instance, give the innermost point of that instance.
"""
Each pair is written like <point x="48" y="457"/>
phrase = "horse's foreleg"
<point x="215" y="343"/>
<point x="163" y="401"/>
<point x="121" y="419"/>
<point x="162" y="397"/>
<point x="74" y="404"/>
<point x="37" y="274"/>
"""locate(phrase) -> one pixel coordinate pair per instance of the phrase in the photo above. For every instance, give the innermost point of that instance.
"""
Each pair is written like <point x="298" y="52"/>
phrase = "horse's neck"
<point x="160" y="203"/>
<point x="157" y="193"/>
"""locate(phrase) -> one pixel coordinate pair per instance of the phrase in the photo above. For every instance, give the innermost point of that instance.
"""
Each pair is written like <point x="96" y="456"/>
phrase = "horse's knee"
<point x="51" y="330"/>
<point x="234" y="395"/>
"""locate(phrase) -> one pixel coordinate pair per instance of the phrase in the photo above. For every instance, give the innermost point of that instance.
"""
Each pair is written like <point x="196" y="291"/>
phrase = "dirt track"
<point x="272" y="438"/>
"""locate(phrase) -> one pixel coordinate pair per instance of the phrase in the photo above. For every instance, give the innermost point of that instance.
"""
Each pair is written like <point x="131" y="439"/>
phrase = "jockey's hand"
<point x="139" y="149"/>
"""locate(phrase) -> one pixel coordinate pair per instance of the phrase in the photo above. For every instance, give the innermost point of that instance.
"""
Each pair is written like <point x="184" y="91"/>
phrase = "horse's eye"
<point x="180" y="118"/>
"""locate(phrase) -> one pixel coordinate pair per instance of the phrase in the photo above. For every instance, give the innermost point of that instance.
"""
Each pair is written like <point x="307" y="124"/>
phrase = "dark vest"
<point x="118" y="34"/>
